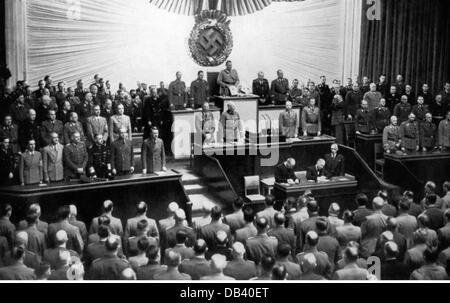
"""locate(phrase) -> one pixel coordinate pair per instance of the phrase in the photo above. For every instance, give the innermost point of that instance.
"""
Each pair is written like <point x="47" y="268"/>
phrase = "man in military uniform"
<point x="428" y="133"/>
<point x="381" y="116"/>
<point x="391" y="136"/>
<point x="260" y="88"/>
<point x="205" y="125"/>
<point x="110" y="266"/>
<point x="122" y="155"/>
<point x="75" y="157"/>
<point x="119" y="121"/>
<point x="6" y="162"/>
<point x="199" y="91"/>
<point x="402" y="110"/>
<point x="262" y="244"/>
<point x="51" y="126"/>
<point x="420" y="109"/>
<point x="372" y="97"/>
<point x="72" y="127"/>
<point x="311" y="121"/>
<point x="17" y="270"/>
<point x="11" y="131"/>
<point x="99" y="162"/>
<point x="364" y="121"/>
<point x="295" y="93"/>
<point x="228" y="77"/>
<point x="177" y="93"/>
<point x="153" y="154"/>
<point x="171" y="232"/>
<point x="19" y="109"/>
<point x="409" y="134"/>
<point x="444" y="133"/>
<point x="288" y="122"/>
<point x="230" y="126"/>
<point x="280" y="89"/>
<point x="352" y="101"/>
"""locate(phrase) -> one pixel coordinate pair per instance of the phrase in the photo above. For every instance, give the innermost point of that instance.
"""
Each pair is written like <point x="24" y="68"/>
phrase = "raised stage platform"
<point x="158" y="190"/>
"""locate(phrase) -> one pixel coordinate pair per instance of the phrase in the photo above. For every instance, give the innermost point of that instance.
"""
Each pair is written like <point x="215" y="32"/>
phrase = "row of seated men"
<point x="411" y="238"/>
<point x="73" y="161"/>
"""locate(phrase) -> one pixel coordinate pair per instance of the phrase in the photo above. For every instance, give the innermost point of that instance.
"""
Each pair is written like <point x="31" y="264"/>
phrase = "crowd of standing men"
<point x="410" y="238"/>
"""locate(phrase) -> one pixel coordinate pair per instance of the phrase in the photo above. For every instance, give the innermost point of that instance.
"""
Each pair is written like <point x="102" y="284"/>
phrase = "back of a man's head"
<point x="61" y="237"/>
<point x="144" y="243"/>
<point x="362" y="200"/>
<point x="431" y="255"/>
<point x="152" y="252"/>
<point x="103" y="231"/>
<point x="430" y="199"/>
<point x="107" y="206"/>
<point x="21" y="238"/>
<point x="112" y="244"/>
<point x="351" y="254"/>
<point x="308" y="263"/>
<point x="18" y="252"/>
<point x="172" y="258"/>
<point x="216" y="213"/>
<point x="424" y="220"/>
<point x="103" y="220"/>
<point x="312" y="238"/>
<point x="141" y="208"/>
<point x="64" y="257"/>
<point x="279" y="272"/>
<point x="267" y="263"/>
<point x="181" y="237"/>
<point x="334" y="209"/>
<point x="312" y="207"/>
<point x="348" y="216"/>
<point x="322" y="225"/>
<point x="128" y="274"/>
<point x="32" y="218"/>
<point x="64" y="212"/>
<point x="270" y="200"/>
<point x="392" y="224"/>
<point x="261" y="224"/>
<point x="420" y="236"/>
<point x="180" y="215"/>
<point x="377" y="203"/>
<point x="221" y="238"/>
<point x="283" y="250"/>
<point x="200" y="247"/>
<point x="218" y="263"/>
<point x="249" y="214"/>
<point x="391" y="250"/>
<point x="404" y="205"/>
<point x="5" y="209"/>
<point x="279" y="219"/>
<point x="238" y="250"/>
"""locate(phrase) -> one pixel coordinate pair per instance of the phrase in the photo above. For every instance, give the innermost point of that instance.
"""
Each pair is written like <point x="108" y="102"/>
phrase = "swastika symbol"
<point x="211" y="41"/>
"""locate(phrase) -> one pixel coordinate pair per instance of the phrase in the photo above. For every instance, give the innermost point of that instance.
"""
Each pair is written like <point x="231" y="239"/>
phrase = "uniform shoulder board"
<point x="131" y="238"/>
<point x="96" y="260"/>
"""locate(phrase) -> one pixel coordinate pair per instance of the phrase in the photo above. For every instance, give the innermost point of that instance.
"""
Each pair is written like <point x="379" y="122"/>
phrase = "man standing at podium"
<point x="228" y="77"/>
<point x="199" y="91"/>
<point x="230" y="126"/>
<point x="391" y="136"/>
<point x="153" y="155"/>
<point x="311" y="123"/>
<point x="177" y="93"/>
<point x="280" y="89"/>
<point x="409" y="134"/>
<point x="289" y="123"/>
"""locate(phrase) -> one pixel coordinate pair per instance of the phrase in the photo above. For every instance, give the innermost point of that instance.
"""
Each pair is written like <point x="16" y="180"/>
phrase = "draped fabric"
<point x="130" y="41"/>
<point x="230" y="7"/>
<point x="410" y="39"/>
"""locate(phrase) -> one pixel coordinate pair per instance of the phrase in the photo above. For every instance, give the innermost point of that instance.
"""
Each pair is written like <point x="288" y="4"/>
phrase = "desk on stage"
<point x="158" y="190"/>
<point x="365" y="146"/>
<point x="339" y="189"/>
<point x="413" y="170"/>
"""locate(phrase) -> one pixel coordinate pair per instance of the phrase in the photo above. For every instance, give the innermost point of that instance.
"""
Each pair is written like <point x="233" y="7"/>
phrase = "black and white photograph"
<point x="247" y="144"/>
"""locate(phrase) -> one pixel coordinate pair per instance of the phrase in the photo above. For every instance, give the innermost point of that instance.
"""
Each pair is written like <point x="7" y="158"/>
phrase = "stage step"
<point x="193" y="189"/>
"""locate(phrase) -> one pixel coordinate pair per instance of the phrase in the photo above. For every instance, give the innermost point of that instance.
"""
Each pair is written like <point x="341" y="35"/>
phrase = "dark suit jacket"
<point x="262" y="90"/>
<point x="336" y="167"/>
<point x="312" y="174"/>
<point x="282" y="173"/>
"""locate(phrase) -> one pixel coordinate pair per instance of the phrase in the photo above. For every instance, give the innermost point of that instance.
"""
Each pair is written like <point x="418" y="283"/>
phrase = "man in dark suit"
<point x="280" y="89"/>
<point x="335" y="164"/>
<point x="208" y="232"/>
<point x="6" y="162"/>
<point x="153" y="154"/>
<point x="284" y="172"/>
<point x="236" y="219"/>
<point x="170" y="233"/>
<point x="261" y="88"/>
<point x="141" y="214"/>
<point x="75" y="241"/>
<point x="262" y="244"/>
<point x="110" y="266"/>
<point x="17" y="270"/>
<point x="317" y="172"/>
<point x="122" y="156"/>
<point x="197" y="266"/>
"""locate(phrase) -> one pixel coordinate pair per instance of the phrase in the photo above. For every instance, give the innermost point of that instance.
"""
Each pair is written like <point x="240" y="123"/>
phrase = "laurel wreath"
<point x="204" y="21"/>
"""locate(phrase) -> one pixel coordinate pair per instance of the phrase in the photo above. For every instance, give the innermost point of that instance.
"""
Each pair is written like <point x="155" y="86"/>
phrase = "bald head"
<point x="238" y="250"/>
<point x="22" y="238"/>
<point x="218" y="263"/>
